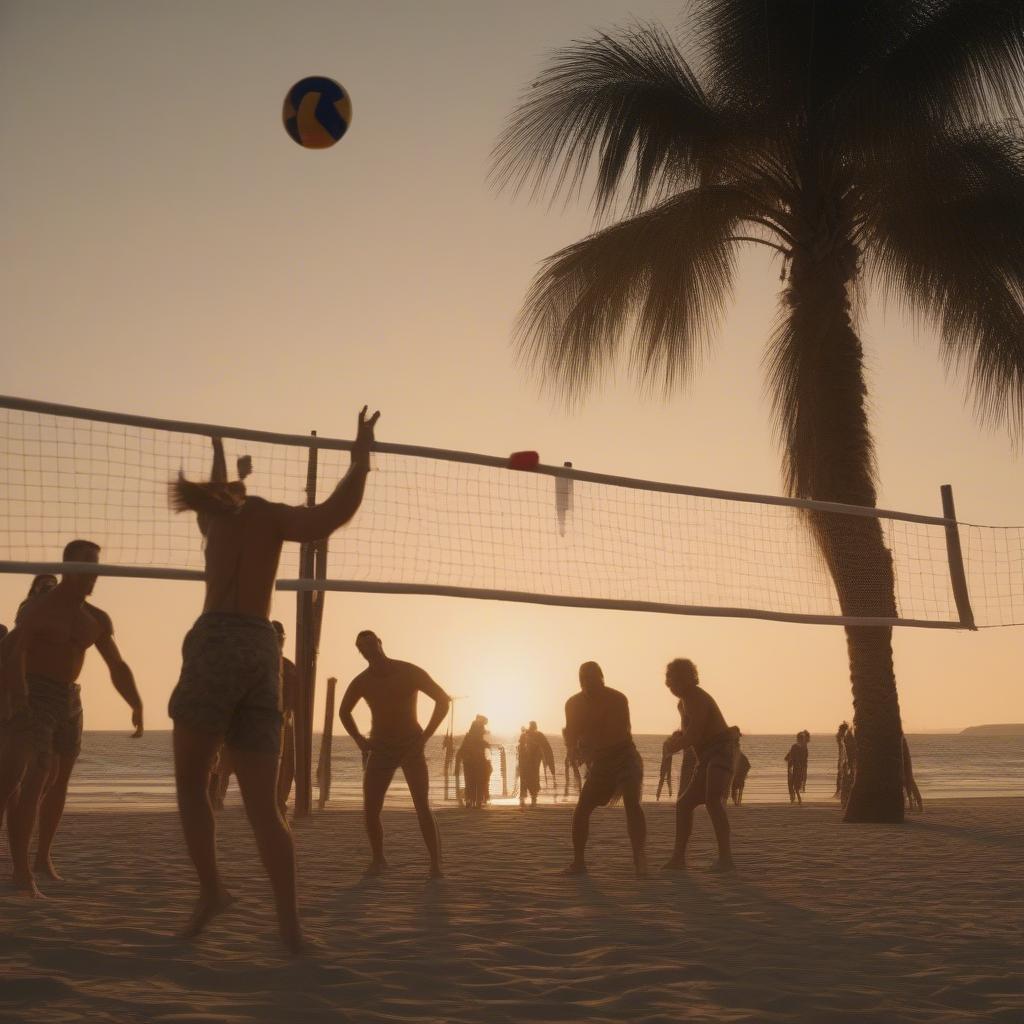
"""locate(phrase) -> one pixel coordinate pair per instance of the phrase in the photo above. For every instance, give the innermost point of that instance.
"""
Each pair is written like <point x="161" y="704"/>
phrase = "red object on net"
<point x="524" y="460"/>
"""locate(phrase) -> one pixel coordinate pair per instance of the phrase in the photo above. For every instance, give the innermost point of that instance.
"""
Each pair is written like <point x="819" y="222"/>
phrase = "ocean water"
<point x="115" y="770"/>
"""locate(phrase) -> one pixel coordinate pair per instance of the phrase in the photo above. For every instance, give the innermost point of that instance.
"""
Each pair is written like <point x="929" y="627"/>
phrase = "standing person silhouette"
<point x="42" y="660"/>
<point x="796" y="767"/>
<point x="716" y="746"/>
<point x="597" y="730"/>
<point x="230" y="685"/>
<point x="390" y="689"/>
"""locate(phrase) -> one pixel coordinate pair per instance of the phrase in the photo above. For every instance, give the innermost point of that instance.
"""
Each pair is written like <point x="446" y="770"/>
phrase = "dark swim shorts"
<point x="387" y="758"/>
<point x="721" y="753"/>
<point x="611" y="772"/>
<point x="230" y="682"/>
<point x="52" y="720"/>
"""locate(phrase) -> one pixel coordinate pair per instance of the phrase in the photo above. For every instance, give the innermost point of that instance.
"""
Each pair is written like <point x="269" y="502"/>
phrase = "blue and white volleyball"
<point x="317" y="112"/>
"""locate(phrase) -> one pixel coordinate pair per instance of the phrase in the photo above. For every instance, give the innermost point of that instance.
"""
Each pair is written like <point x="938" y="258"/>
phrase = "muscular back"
<point x="701" y="718"/>
<point x="243" y="549"/>
<point x="600" y="720"/>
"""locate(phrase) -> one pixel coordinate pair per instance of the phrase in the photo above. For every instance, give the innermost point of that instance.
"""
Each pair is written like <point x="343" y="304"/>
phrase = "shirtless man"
<point x="230" y="684"/>
<point x="286" y="774"/>
<point x="390" y="689"/>
<point x="597" y="730"/>
<point x="42" y="660"/>
<point x="716" y="746"/>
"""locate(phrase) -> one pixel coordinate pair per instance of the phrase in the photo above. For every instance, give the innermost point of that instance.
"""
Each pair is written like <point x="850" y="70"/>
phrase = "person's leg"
<point x="286" y="774"/>
<point x="418" y="779"/>
<point x="256" y="772"/>
<point x="689" y="799"/>
<point x="376" y="780"/>
<point x="585" y="807"/>
<point x="13" y="761"/>
<point x="636" y="827"/>
<point x="193" y="756"/>
<point x="51" y="809"/>
<point x="22" y="820"/>
<point x="718" y="782"/>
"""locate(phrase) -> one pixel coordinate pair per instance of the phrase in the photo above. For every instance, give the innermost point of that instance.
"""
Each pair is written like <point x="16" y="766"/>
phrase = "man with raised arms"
<point x="390" y="689"/>
<point x="597" y="731"/>
<point x="42" y="660"/>
<point x="230" y="684"/>
<point x="717" y="747"/>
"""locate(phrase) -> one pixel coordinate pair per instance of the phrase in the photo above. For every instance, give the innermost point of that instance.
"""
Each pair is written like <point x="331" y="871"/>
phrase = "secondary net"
<point x="460" y="524"/>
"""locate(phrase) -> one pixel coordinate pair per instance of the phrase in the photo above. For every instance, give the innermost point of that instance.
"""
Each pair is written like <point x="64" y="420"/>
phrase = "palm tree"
<point x="870" y="143"/>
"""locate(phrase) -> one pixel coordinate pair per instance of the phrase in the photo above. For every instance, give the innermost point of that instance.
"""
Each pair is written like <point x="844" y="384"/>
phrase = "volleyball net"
<point x="461" y="524"/>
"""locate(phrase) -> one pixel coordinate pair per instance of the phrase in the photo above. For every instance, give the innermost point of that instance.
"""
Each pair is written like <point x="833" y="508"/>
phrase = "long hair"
<point x="210" y="498"/>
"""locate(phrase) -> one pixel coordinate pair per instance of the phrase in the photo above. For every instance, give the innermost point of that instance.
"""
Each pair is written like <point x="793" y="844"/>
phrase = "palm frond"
<point x="960" y="60"/>
<point x="948" y="242"/>
<point x="625" y="100"/>
<point x="662" y="277"/>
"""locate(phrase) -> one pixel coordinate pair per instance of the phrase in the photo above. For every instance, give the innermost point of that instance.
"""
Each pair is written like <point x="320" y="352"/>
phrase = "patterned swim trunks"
<point x="230" y="682"/>
<point x="52" y="720"/>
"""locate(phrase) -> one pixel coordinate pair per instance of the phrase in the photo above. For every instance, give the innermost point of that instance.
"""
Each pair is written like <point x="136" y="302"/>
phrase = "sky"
<point x="168" y="250"/>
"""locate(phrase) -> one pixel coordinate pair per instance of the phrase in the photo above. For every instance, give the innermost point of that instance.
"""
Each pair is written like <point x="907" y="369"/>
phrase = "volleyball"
<point x="317" y="112"/>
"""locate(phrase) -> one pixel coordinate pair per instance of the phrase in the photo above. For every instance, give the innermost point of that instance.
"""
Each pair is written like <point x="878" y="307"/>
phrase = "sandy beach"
<point x="823" y="923"/>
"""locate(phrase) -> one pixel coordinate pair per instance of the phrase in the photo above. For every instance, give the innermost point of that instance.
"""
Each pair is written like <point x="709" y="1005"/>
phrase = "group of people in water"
<point x="231" y="709"/>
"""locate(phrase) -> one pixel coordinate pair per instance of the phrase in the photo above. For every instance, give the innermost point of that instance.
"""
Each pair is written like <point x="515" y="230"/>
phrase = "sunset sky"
<point x="169" y="251"/>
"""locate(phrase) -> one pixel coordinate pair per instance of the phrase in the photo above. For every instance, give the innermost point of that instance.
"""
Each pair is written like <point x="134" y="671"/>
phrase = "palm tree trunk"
<point x="830" y="457"/>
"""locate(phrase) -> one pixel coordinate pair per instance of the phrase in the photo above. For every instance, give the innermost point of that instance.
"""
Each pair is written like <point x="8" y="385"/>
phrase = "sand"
<point x="823" y="923"/>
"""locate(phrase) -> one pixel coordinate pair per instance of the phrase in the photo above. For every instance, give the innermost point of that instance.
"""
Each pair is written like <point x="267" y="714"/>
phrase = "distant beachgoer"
<point x="840" y="762"/>
<point x="534" y="752"/>
<point x="289" y="680"/>
<point x="910" y="790"/>
<point x="849" y="765"/>
<point x="716" y="746"/>
<point x="390" y="689"/>
<point x="230" y="684"/>
<point x="597" y="731"/>
<point x="739" y="775"/>
<point x="43" y="658"/>
<point x="473" y="758"/>
<point x="572" y="768"/>
<point x="796" y="767"/>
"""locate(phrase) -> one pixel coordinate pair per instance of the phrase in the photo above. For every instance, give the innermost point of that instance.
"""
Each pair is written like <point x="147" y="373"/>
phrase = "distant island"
<point x="1003" y="729"/>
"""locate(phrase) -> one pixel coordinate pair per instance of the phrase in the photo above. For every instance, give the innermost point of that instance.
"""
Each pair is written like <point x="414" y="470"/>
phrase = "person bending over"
<point x="716" y="746"/>
<point x="597" y="732"/>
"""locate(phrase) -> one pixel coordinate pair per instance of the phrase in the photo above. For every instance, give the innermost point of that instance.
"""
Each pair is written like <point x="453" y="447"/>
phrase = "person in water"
<point x="390" y="689"/>
<point x="716" y="745"/>
<point x="912" y="795"/>
<point x="796" y="767"/>
<point x="474" y="758"/>
<point x="534" y="752"/>
<point x="739" y="775"/>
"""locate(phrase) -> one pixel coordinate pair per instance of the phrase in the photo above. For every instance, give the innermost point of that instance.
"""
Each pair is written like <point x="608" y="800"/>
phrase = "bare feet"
<point x="722" y="866"/>
<point x="435" y="871"/>
<point x="575" y="868"/>
<point x="640" y="865"/>
<point x="375" y="868"/>
<point x="674" y="863"/>
<point x="44" y="865"/>
<point x="26" y="883"/>
<point x="207" y="908"/>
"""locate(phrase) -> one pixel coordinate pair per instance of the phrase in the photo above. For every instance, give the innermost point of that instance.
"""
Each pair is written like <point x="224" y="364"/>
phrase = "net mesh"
<point x="436" y="522"/>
